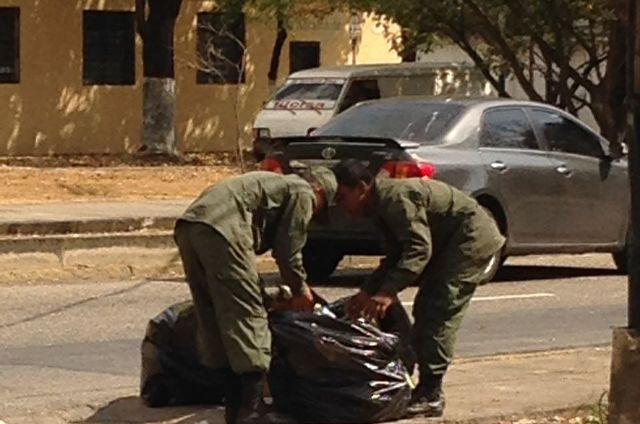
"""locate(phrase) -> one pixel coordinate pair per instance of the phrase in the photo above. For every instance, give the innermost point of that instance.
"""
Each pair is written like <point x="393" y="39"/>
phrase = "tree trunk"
<point x="409" y="50"/>
<point x="274" y="65"/>
<point x="159" y="95"/>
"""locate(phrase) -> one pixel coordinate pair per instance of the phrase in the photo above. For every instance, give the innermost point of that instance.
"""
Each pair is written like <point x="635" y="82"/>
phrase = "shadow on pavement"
<point x="131" y="410"/>
<point x="511" y="273"/>
<point x="354" y="277"/>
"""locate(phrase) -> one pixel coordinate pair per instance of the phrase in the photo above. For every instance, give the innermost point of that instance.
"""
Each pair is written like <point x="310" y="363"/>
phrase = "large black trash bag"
<point x="329" y="370"/>
<point x="172" y="372"/>
<point x="396" y="321"/>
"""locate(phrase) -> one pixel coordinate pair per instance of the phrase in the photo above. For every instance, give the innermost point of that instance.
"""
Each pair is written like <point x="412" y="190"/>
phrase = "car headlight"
<point x="261" y="133"/>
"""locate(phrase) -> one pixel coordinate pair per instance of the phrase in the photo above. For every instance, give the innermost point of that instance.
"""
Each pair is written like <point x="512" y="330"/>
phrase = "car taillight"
<point x="271" y="164"/>
<point x="408" y="169"/>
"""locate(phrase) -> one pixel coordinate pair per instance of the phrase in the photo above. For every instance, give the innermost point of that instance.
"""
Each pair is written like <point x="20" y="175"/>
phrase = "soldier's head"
<point x="324" y="185"/>
<point x="355" y="186"/>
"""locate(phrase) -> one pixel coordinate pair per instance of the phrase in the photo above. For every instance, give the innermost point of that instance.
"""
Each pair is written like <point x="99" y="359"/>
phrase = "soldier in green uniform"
<point x="217" y="237"/>
<point x="436" y="236"/>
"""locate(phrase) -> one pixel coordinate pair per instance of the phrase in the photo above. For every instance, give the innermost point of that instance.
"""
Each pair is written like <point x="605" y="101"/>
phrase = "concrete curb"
<point x="119" y="225"/>
<point x="100" y="256"/>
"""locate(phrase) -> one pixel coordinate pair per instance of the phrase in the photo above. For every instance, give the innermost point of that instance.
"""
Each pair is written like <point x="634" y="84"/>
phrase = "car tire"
<point x="320" y="263"/>
<point x="621" y="258"/>
<point x="497" y="259"/>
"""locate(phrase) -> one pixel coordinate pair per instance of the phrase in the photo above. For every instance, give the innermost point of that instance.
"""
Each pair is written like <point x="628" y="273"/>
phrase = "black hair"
<point x="350" y="172"/>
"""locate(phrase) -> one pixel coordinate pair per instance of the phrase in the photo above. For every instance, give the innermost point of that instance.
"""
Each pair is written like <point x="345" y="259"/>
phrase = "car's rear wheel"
<point x="496" y="261"/>
<point x="320" y="262"/>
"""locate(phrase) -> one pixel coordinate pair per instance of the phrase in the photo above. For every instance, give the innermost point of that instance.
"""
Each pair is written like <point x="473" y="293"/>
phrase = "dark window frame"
<point x="98" y="67"/>
<point x="294" y="45"/>
<point x="13" y="56"/>
<point x="227" y="74"/>
<point x="601" y="151"/>
<point x="348" y="99"/>
<point x="531" y="127"/>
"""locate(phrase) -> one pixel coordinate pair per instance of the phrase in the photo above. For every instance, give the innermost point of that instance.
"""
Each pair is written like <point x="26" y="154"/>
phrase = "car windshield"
<point x="407" y="121"/>
<point x="307" y="94"/>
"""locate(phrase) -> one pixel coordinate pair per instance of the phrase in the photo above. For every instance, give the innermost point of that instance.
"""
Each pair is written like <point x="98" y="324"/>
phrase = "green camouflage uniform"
<point x="442" y="239"/>
<point x="217" y="237"/>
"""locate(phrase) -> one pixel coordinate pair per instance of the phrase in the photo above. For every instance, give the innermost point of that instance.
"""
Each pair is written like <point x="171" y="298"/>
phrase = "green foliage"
<point x="573" y="46"/>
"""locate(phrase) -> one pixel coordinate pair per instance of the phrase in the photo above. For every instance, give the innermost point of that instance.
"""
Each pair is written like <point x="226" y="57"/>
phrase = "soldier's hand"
<point x="303" y="302"/>
<point x="357" y="304"/>
<point x="378" y="305"/>
<point x="369" y="307"/>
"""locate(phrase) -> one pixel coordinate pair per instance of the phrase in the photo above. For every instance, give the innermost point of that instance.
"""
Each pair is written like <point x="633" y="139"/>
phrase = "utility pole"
<point x="624" y="394"/>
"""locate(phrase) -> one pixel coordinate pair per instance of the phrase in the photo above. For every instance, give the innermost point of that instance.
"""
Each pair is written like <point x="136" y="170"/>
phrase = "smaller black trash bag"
<point x="329" y="370"/>
<point x="172" y="373"/>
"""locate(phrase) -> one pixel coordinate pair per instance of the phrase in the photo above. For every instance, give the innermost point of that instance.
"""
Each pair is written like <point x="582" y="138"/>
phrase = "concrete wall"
<point x="51" y="111"/>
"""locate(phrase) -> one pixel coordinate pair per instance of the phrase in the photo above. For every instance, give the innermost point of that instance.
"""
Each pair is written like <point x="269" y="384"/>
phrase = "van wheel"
<point x="320" y="262"/>
<point x="497" y="259"/>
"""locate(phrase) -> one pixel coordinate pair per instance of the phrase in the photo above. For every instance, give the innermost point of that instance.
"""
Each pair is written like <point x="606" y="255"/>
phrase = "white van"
<point x="309" y="98"/>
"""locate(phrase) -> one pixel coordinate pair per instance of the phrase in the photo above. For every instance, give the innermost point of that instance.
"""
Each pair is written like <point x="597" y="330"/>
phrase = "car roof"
<point x="467" y="102"/>
<point x="354" y="71"/>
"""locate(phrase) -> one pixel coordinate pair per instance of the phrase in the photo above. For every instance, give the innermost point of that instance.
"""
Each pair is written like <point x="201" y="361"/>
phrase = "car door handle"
<point x="564" y="170"/>
<point x="498" y="166"/>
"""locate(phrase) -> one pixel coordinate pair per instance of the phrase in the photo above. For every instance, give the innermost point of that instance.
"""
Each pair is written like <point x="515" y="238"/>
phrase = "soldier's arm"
<point x="290" y="238"/>
<point x="406" y="219"/>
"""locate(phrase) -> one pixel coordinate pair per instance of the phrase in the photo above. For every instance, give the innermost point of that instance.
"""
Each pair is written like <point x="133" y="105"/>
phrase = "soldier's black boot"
<point x="252" y="409"/>
<point x="232" y="397"/>
<point x="427" y="399"/>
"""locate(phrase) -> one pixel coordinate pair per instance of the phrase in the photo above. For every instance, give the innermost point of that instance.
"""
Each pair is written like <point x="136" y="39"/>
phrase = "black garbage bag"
<point x="172" y="373"/>
<point x="395" y="321"/>
<point x="328" y="370"/>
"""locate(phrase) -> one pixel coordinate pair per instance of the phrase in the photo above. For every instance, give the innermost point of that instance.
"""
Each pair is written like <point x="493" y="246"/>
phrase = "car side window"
<point x="359" y="91"/>
<point x="507" y="128"/>
<point x="564" y="135"/>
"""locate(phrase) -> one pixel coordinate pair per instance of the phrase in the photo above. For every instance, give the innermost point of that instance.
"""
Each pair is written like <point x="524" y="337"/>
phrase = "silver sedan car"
<point x="548" y="180"/>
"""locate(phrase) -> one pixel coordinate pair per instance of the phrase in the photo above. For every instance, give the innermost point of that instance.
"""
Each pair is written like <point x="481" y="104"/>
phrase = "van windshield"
<point x="314" y="94"/>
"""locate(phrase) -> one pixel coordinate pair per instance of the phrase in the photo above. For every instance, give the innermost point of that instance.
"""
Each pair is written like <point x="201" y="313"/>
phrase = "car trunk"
<point x="297" y="153"/>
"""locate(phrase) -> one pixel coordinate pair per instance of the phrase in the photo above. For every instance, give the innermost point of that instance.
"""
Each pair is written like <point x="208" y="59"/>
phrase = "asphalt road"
<point x="62" y="339"/>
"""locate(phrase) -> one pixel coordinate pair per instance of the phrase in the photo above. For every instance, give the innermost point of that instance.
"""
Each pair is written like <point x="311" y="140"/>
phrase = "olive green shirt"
<point x="261" y="211"/>
<point x="420" y="216"/>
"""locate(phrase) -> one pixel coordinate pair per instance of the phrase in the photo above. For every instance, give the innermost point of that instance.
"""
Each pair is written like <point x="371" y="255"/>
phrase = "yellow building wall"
<point x="51" y="112"/>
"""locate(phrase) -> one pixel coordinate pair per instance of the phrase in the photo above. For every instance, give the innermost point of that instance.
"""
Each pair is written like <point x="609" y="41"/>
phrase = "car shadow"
<point x="348" y="277"/>
<point x="513" y="273"/>
<point x="132" y="410"/>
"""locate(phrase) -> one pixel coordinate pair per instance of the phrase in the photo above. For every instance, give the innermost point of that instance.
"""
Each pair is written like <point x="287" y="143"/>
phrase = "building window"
<point x="9" y="45"/>
<point x="221" y="48"/>
<point x="303" y="55"/>
<point x="109" y="48"/>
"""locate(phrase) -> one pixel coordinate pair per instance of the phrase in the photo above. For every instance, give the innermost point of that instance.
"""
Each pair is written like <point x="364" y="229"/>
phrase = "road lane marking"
<point x="504" y="297"/>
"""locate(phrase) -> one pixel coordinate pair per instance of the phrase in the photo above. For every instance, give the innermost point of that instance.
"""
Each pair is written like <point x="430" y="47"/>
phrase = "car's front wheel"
<point x="621" y="258"/>
<point x="320" y="262"/>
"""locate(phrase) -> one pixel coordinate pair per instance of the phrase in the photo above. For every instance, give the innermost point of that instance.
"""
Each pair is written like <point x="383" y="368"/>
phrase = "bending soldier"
<point x="436" y="236"/>
<point x="217" y="237"/>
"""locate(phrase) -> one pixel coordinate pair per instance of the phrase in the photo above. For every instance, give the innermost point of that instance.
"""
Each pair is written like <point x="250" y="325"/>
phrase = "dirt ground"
<point x="96" y="178"/>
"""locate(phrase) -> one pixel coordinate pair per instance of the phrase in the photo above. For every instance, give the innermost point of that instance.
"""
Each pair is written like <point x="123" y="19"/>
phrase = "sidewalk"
<point x="41" y="219"/>
<point x="491" y="390"/>
<point x="85" y="240"/>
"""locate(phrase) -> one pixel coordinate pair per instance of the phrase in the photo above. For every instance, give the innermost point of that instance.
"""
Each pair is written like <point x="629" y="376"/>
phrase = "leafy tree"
<point x="569" y="53"/>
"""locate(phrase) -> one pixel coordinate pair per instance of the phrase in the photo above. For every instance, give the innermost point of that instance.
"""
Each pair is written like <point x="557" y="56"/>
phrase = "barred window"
<point x="9" y="45"/>
<point x="109" y="48"/>
<point x="221" y="48"/>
